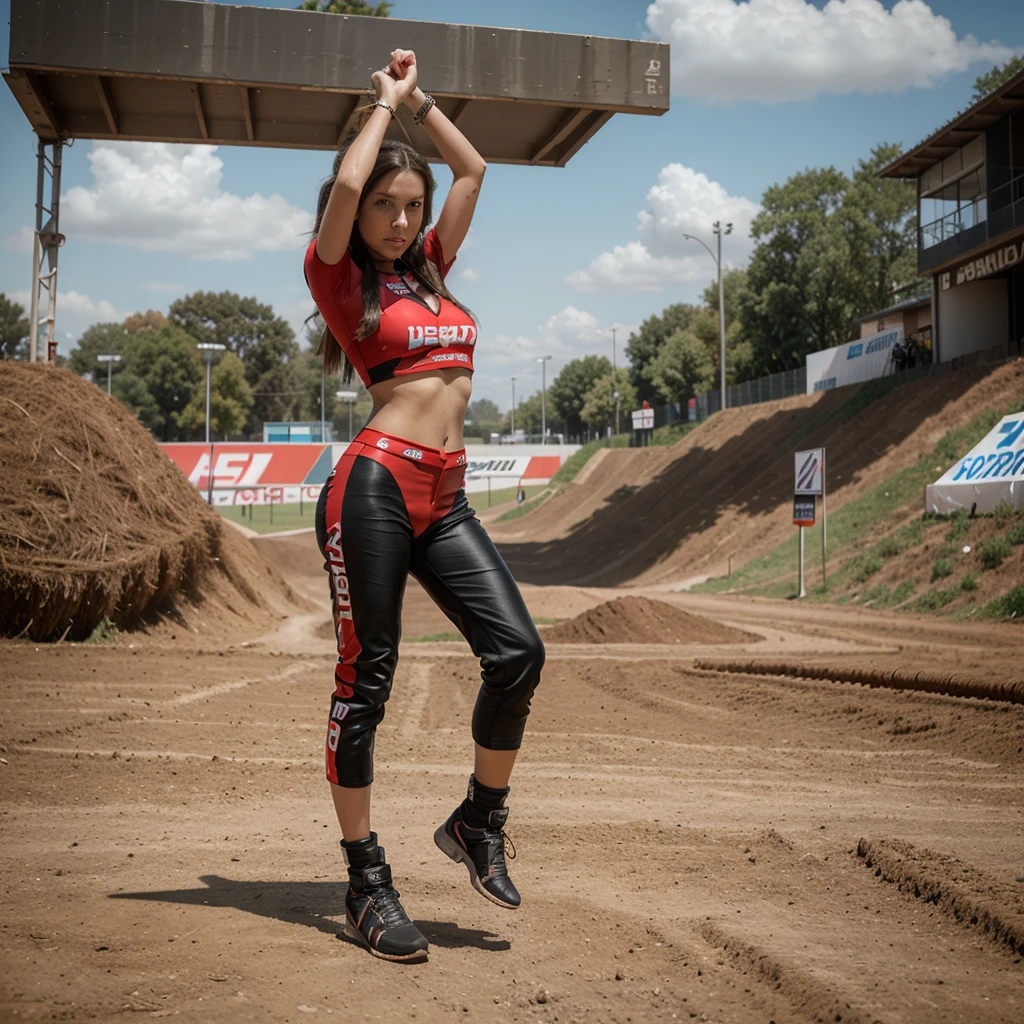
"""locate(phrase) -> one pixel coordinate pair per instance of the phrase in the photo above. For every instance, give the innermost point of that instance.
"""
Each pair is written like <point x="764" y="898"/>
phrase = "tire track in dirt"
<point x="954" y="684"/>
<point x="968" y="895"/>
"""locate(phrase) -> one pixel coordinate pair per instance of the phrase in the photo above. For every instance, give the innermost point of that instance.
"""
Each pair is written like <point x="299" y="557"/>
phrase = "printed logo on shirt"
<point x="461" y="460"/>
<point x="382" y="443"/>
<point x="399" y="288"/>
<point x="441" y="334"/>
<point x="412" y="453"/>
<point x="449" y="357"/>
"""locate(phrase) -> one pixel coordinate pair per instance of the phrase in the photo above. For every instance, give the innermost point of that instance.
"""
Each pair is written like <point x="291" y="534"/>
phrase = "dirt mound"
<point x="662" y="515"/>
<point x="640" y="620"/>
<point x="95" y="521"/>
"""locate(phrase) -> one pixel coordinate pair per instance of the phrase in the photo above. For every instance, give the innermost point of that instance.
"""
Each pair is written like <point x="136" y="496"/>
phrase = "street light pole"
<point x="719" y="231"/>
<point x="350" y="397"/>
<point x="615" y="381"/>
<point x="109" y="360"/>
<point x="543" y="388"/>
<point x="209" y="350"/>
<point x="513" y="423"/>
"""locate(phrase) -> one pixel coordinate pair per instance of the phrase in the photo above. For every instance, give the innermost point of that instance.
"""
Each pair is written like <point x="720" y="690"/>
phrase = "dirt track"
<point x="659" y="516"/>
<point x="688" y="840"/>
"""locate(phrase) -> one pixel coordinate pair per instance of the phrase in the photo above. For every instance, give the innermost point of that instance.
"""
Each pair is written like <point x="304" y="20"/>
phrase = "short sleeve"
<point x="330" y="282"/>
<point x="432" y="250"/>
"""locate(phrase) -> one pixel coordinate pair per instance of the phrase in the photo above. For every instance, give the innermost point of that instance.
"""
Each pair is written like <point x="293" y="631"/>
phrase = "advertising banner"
<point x="852" y="363"/>
<point x="990" y="472"/>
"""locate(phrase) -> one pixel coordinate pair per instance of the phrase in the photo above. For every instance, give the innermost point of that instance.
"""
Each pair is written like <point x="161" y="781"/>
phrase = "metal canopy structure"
<point x="174" y="71"/>
<point x="180" y="71"/>
<point x="959" y="131"/>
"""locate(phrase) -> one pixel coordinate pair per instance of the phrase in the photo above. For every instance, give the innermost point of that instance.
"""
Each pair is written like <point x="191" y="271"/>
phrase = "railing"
<point x="751" y="392"/>
<point x="1000" y="210"/>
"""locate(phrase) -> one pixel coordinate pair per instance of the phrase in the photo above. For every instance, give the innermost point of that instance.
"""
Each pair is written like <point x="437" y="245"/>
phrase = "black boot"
<point x="482" y="850"/>
<point x="373" y="915"/>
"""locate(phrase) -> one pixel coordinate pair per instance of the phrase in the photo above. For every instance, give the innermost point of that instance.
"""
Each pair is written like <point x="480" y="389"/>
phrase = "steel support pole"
<point x="512" y="425"/>
<point x="110" y="364"/>
<point x="721" y="316"/>
<point x="209" y="361"/>
<point x="801" y="592"/>
<point x="46" y="243"/>
<point x="543" y="409"/>
<point x="615" y="381"/>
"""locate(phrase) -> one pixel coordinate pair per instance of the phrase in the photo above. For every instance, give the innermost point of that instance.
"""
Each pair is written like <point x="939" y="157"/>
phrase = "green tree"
<point x="568" y="391"/>
<point x="100" y="339"/>
<point x="230" y="400"/>
<point x="880" y="217"/>
<point x="643" y="346"/>
<point x="683" y="368"/>
<point x="14" y="329"/>
<point x="264" y="342"/>
<point x="998" y="76"/>
<point x="484" y="418"/>
<point x="168" y="363"/>
<point x="240" y="324"/>
<point x="528" y="417"/>
<point x="382" y="10"/>
<point x="133" y="393"/>
<point x="599" y="407"/>
<point x="794" y="278"/>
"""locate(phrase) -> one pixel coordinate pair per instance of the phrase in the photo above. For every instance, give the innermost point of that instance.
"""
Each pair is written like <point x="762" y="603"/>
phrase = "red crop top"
<point x="411" y="337"/>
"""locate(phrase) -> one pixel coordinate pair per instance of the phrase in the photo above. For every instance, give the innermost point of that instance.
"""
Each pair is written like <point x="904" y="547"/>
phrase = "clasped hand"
<point x="396" y="82"/>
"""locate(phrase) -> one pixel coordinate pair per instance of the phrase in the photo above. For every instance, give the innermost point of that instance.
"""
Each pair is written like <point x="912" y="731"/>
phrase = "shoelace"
<point x="388" y="909"/>
<point x="501" y="843"/>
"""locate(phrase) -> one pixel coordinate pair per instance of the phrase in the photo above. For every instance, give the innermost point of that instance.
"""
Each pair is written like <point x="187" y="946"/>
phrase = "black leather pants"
<point x="369" y="550"/>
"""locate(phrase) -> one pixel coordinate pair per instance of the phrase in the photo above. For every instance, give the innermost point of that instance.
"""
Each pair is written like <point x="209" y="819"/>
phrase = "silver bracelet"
<point x="386" y="106"/>
<point x="421" y="115"/>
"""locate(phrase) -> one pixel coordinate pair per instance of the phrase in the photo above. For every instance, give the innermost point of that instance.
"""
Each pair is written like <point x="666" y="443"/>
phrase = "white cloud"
<point x="773" y="51"/>
<point x="168" y="198"/>
<point x="683" y="202"/>
<point x="20" y="242"/>
<point x="468" y="274"/>
<point x="75" y="304"/>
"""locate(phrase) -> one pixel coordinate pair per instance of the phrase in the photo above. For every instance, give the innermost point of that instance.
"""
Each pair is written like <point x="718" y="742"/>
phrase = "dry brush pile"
<point x="95" y="521"/>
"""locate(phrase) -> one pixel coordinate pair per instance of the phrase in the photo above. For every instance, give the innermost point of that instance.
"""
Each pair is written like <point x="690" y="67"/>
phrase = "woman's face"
<point x="392" y="213"/>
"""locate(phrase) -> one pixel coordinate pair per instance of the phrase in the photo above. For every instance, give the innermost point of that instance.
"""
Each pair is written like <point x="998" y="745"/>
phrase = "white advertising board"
<point x="990" y="472"/>
<point x="643" y="419"/>
<point x="852" y="363"/>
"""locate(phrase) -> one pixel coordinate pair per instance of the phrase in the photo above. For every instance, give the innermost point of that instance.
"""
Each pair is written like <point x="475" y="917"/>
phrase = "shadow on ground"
<point x="319" y="905"/>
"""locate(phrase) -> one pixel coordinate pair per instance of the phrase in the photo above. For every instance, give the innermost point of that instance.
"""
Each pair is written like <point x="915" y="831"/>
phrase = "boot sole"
<point x="450" y="848"/>
<point x="353" y="933"/>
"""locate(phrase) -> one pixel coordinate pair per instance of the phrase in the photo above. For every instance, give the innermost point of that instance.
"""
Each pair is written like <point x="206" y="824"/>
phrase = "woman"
<point x="394" y="504"/>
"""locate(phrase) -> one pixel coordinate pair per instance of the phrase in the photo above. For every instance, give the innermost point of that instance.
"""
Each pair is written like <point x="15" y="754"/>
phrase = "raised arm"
<point x="343" y="205"/>
<point x="468" y="168"/>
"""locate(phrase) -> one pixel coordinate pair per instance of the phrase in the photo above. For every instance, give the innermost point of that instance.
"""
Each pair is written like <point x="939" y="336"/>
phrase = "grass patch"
<point x="1016" y="535"/>
<point x="969" y="583"/>
<point x="866" y="513"/>
<point x="994" y="551"/>
<point x="271" y="518"/>
<point x="941" y="569"/>
<point x="105" y="632"/>
<point x="1009" y="606"/>
<point x="543" y="620"/>
<point x="935" y="599"/>
<point x="528" y="506"/>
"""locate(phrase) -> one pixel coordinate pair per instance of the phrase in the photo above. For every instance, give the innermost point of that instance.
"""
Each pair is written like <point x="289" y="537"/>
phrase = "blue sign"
<point x="854" y="351"/>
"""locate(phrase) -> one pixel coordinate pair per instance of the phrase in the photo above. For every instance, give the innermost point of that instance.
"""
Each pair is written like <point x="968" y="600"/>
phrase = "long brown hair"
<point x="393" y="156"/>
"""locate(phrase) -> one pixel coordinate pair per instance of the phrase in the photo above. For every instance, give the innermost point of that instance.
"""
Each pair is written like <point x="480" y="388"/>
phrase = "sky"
<point x="557" y="257"/>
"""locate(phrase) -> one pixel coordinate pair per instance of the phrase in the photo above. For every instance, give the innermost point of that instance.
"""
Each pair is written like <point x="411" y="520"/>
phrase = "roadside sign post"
<point x="803" y="515"/>
<point x="809" y="482"/>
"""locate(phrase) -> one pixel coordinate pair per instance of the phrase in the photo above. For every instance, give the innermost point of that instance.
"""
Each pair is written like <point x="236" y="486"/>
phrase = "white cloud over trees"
<point x="169" y="198"/>
<point x="683" y="202"/>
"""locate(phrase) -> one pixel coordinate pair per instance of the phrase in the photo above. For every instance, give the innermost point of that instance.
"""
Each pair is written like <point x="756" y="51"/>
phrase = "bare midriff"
<point x="428" y="408"/>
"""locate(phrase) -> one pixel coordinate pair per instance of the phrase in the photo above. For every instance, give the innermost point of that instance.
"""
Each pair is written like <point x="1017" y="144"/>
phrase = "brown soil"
<point x="693" y="844"/>
<point x="642" y="620"/>
<point x="662" y="516"/>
